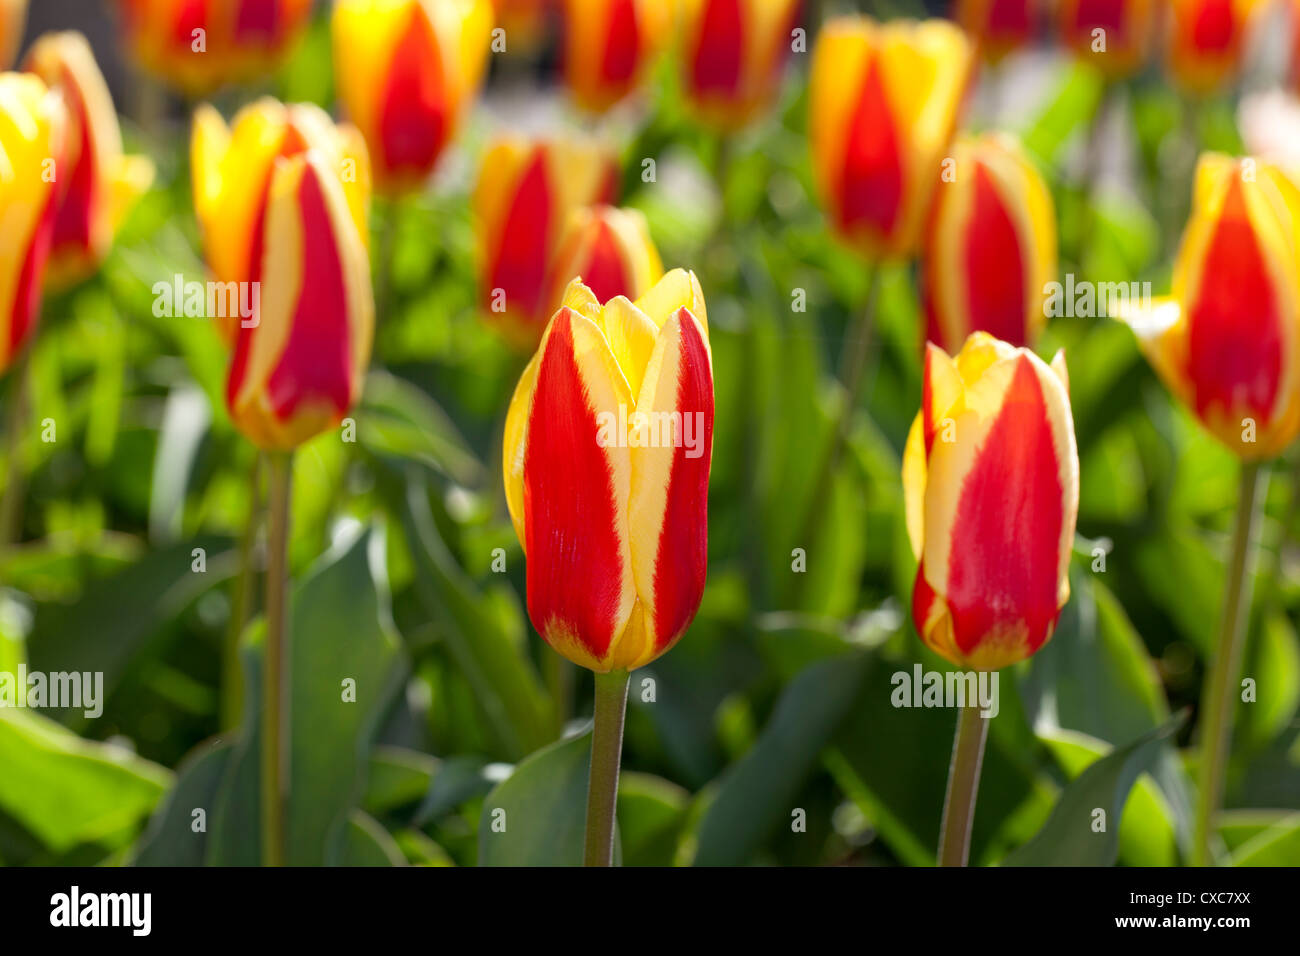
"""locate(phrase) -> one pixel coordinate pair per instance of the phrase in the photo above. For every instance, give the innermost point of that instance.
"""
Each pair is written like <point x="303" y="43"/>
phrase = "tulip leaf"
<point x="1279" y="845"/>
<point x="757" y="793"/>
<point x="537" y="816"/>
<point x="172" y="838"/>
<point x="366" y="843"/>
<point x="651" y="816"/>
<point x="396" y="418"/>
<point x="1068" y="838"/>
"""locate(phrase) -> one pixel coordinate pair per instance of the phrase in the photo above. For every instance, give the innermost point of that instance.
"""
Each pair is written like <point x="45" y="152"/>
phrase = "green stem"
<point x="232" y="678"/>
<point x="1217" y="703"/>
<point x="275" y="683"/>
<point x="963" y="786"/>
<point x="11" y="505"/>
<point x="606" y="752"/>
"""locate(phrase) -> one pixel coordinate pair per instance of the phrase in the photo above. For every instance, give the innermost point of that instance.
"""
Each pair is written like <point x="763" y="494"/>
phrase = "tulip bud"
<point x="611" y="250"/>
<point x="232" y="169"/>
<point x="608" y="444"/>
<point x="199" y="45"/>
<point x="13" y="13"/>
<point x="406" y="71"/>
<point x="298" y="369"/>
<point x="1206" y="39"/>
<point x="998" y="26"/>
<point x="1113" y="35"/>
<point x="991" y="480"/>
<point x="990" y="247"/>
<point x="884" y="100"/>
<point x="732" y="55"/>
<point x="523" y="200"/>
<point x="608" y="46"/>
<point x="1225" y="341"/>
<point x="33" y="123"/>
<point x="98" y="183"/>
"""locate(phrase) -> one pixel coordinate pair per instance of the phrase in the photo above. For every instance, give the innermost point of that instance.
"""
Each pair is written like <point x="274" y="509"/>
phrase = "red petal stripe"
<point x="413" y="113"/>
<point x="605" y="271"/>
<point x="521" y="258"/>
<point x="716" y="65"/>
<point x="995" y="276"/>
<point x="622" y="53"/>
<point x="872" y="182"/>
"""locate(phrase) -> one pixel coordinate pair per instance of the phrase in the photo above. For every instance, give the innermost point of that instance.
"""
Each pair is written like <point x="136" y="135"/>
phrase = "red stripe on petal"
<point x="681" y="561"/>
<point x="571" y="519"/>
<point x="605" y="272"/>
<point x="190" y="15"/>
<point x="622" y="53"/>
<point x="1106" y="14"/>
<point x="1003" y="558"/>
<point x="414" y="112"/>
<point x="1215" y="26"/>
<point x="872" y="182"/>
<point x="27" y="296"/>
<point x="716" y="65"/>
<point x="522" y="254"/>
<point x="74" y="224"/>
<point x="995" y="276"/>
<point x="316" y="366"/>
<point x="258" y="21"/>
<point x="1009" y="19"/>
<point x="1234" y="330"/>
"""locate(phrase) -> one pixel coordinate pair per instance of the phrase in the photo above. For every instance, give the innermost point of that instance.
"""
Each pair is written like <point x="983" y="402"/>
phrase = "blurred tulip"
<point x="1206" y="39"/>
<point x="608" y="444"/>
<point x="991" y="479"/>
<point x="298" y="369"/>
<point x="524" y="21"/>
<point x="1227" y="340"/>
<point x="990" y="247"/>
<point x="610" y="250"/>
<point x="608" y="46"/>
<point x="733" y="52"/>
<point x="198" y="45"/>
<point x="33" y="123"/>
<point x="998" y="26"/>
<point x="98" y="183"/>
<point x="407" y="70"/>
<point x="884" y="100"/>
<point x="526" y="193"/>
<point x="13" y="13"/>
<point x="232" y="169"/>
<point x="1113" y="35"/>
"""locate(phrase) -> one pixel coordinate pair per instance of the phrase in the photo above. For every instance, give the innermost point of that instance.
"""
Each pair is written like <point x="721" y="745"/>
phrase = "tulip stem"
<point x="1217" y="703"/>
<point x="275" y="685"/>
<point x="232" y="681"/>
<point x="11" y="504"/>
<point x="606" y="753"/>
<point x="963" y="786"/>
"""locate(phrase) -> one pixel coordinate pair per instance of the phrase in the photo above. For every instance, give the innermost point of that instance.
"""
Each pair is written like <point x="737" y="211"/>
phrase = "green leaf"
<point x="1279" y="845"/>
<point x="756" y="794"/>
<point x="68" y="791"/>
<point x="397" y="778"/>
<point x="171" y="839"/>
<point x="651" y="814"/>
<point x="1068" y="839"/>
<point x="366" y="843"/>
<point x="398" y="419"/>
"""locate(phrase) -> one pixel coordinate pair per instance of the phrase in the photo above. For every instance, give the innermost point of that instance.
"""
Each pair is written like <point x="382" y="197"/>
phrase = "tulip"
<point x="611" y="250"/>
<point x="12" y="15"/>
<point x="991" y="477"/>
<point x="32" y="135"/>
<point x="232" y="168"/>
<point x="884" y="100"/>
<point x="990" y="247"/>
<point x="524" y="23"/>
<point x="608" y="46"/>
<point x="98" y="182"/>
<point x="407" y="70"/>
<point x="1205" y="41"/>
<point x="614" y="522"/>
<point x="526" y="194"/>
<point x="199" y="45"/>
<point x="1113" y="35"/>
<point x="732" y="55"/>
<point x="998" y="26"/>
<point x="298" y="368"/>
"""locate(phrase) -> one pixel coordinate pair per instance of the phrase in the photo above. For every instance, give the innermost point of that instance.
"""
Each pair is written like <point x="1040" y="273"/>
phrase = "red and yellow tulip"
<point x="608" y="445"/>
<point x="1206" y="39"/>
<point x="13" y="14"/>
<point x="998" y="26"/>
<point x="298" y="369"/>
<point x="1227" y="339"/>
<point x="407" y="70"/>
<point x="991" y="480"/>
<point x="198" y="45"/>
<point x="233" y="167"/>
<point x="608" y="47"/>
<point x="884" y="101"/>
<point x="732" y="55"/>
<point x="526" y="194"/>
<point x="524" y="21"/>
<point x="610" y="250"/>
<point x="98" y="183"/>
<point x="990" y="247"/>
<point x="1113" y="35"/>
<point x="33" y="123"/>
